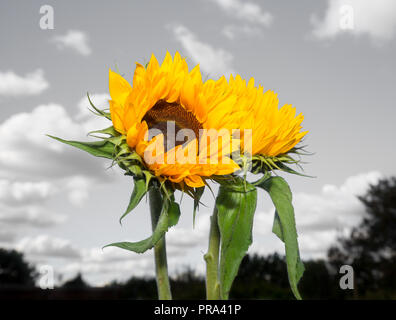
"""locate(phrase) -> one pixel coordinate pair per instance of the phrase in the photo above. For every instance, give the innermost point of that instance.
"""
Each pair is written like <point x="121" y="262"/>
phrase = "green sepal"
<point x="139" y="190"/>
<point x="285" y="227"/>
<point x="287" y="169"/>
<point x="98" y="111"/>
<point x="109" y="130"/>
<point x="104" y="149"/>
<point x="236" y="206"/>
<point x="169" y="217"/>
<point x="117" y="141"/>
<point x="197" y="194"/>
<point x="263" y="164"/>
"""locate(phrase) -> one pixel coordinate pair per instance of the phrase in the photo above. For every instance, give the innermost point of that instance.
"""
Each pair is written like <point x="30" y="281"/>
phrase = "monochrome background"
<point x="59" y="206"/>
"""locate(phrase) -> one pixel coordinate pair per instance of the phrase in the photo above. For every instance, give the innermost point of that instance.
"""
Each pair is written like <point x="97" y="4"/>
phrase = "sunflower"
<point x="170" y="93"/>
<point x="274" y="131"/>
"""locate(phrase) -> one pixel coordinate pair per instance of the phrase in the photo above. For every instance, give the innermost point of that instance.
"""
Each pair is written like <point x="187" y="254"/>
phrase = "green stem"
<point x="161" y="265"/>
<point x="212" y="260"/>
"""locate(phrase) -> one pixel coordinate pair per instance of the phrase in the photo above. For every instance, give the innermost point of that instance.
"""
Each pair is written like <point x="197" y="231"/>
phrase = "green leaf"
<point x="169" y="217"/>
<point x="236" y="206"/>
<point x="173" y="214"/>
<point x="198" y="192"/>
<point x="285" y="227"/>
<point x="277" y="226"/>
<point x="139" y="190"/>
<point x="102" y="149"/>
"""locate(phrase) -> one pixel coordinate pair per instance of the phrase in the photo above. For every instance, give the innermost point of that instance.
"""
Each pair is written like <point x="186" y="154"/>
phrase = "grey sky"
<point x="343" y="82"/>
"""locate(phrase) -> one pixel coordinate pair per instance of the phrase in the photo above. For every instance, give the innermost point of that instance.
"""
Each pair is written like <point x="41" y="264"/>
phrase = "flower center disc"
<point x="163" y="112"/>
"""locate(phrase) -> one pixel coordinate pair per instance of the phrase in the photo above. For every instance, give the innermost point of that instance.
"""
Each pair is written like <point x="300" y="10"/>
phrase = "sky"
<point x="333" y="60"/>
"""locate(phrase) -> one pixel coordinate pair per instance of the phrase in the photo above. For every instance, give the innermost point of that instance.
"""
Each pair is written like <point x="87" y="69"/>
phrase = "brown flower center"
<point x="159" y="116"/>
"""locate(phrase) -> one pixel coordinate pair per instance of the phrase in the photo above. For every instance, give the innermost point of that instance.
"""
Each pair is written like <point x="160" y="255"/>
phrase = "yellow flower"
<point x="171" y="93"/>
<point x="274" y="131"/>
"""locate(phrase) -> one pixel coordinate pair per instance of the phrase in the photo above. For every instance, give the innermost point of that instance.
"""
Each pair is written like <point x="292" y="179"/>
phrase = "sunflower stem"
<point x="212" y="260"/>
<point x="161" y="265"/>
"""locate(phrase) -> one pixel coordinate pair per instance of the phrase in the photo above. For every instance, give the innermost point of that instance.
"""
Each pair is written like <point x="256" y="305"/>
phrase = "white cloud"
<point x="377" y="19"/>
<point x="12" y="192"/>
<point x="182" y="238"/>
<point x="28" y="153"/>
<point x="246" y="11"/>
<point x="35" y="168"/>
<point x="214" y="61"/>
<point x="32" y="83"/>
<point x="75" y="40"/>
<point x="321" y="217"/>
<point x="102" y="266"/>
<point x="234" y="31"/>
<point x="100" y="274"/>
<point x="78" y="188"/>
<point x="46" y="246"/>
<point x="106" y="255"/>
<point x="29" y="215"/>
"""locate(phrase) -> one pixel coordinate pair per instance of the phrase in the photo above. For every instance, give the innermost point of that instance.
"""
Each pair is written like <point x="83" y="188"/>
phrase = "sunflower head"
<point x="173" y="121"/>
<point x="269" y="134"/>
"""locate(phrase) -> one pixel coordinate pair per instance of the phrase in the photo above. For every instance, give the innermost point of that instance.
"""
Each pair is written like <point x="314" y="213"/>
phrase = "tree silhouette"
<point x="371" y="246"/>
<point x="262" y="277"/>
<point x="14" y="270"/>
<point x="76" y="283"/>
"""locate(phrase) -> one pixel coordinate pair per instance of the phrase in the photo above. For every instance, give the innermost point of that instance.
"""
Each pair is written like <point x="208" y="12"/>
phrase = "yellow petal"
<point x="194" y="181"/>
<point x="119" y="87"/>
<point x="116" y="116"/>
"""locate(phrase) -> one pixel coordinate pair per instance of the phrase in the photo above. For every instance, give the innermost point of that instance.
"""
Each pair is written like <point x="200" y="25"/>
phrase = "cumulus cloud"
<point x="24" y="202"/>
<point x="98" y="266"/>
<point x="376" y="19"/>
<point x="324" y="216"/>
<point x="75" y="40"/>
<point x="234" y="31"/>
<point x="246" y="11"/>
<point x="252" y="17"/>
<point x="46" y="246"/>
<point x="214" y="61"/>
<point x="78" y="187"/>
<point x="29" y="215"/>
<point x="101" y="274"/>
<point x="12" y="84"/>
<point x="35" y="168"/>
<point x="28" y="152"/>
<point x="13" y="192"/>
<point x="102" y="266"/>
<point x="181" y="238"/>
